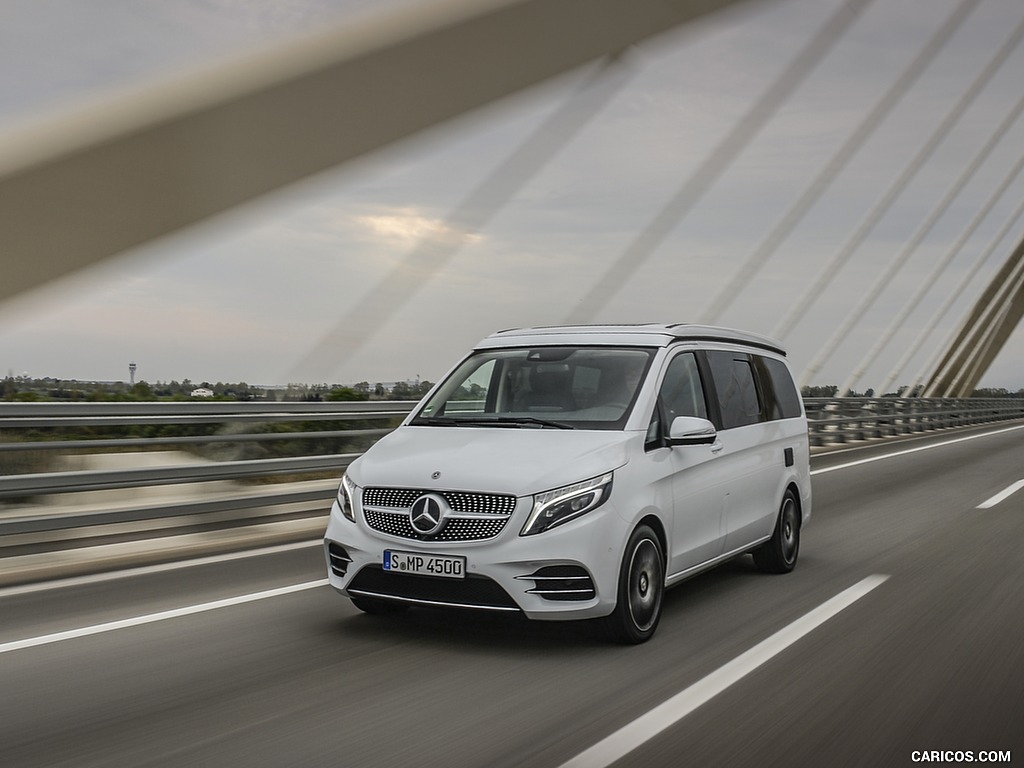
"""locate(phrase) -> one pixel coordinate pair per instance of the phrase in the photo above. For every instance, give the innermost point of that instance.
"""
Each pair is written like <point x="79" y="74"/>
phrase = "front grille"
<point x="457" y="529"/>
<point x="562" y="583"/>
<point x="459" y="501"/>
<point x="474" y="591"/>
<point x="474" y="516"/>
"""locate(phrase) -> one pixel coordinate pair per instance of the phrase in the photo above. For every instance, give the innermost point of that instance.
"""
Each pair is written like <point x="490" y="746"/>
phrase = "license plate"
<point x="445" y="566"/>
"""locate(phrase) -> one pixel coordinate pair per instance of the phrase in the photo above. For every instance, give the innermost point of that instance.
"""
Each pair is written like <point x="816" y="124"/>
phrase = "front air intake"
<point x="562" y="582"/>
<point x="339" y="558"/>
<point x="474" y="591"/>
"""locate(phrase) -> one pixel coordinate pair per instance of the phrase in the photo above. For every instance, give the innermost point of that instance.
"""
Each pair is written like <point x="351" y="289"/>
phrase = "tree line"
<point x="832" y="390"/>
<point x="26" y="389"/>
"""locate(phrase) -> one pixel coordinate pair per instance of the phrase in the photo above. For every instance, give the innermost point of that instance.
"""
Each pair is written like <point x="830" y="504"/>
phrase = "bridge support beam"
<point x="91" y="182"/>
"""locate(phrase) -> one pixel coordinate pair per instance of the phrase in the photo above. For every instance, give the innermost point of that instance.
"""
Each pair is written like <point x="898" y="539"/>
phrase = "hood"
<point x="489" y="460"/>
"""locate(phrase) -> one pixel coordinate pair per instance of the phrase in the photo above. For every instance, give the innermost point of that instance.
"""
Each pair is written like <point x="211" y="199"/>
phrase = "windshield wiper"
<point x="500" y="421"/>
<point x="533" y="420"/>
<point x="436" y="421"/>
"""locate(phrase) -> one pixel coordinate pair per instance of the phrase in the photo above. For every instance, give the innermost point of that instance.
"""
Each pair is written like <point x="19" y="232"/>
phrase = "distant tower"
<point x="131" y="372"/>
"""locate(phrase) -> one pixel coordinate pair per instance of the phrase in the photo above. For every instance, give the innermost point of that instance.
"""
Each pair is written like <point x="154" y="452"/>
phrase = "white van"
<point x="576" y="472"/>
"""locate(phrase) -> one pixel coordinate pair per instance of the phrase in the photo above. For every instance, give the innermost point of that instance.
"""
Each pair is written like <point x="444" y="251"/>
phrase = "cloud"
<point x="238" y="297"/>
<point x="408" y="227"/>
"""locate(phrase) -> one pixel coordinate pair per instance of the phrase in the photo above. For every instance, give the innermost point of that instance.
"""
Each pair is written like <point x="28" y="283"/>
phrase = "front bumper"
<point x="569" y="572"/>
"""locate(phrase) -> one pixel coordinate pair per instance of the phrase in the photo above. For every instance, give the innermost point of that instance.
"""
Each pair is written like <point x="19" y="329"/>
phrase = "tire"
<point x="779" y="553"/>
<point x="641" y="589"/>
<point x="377" y="607"/>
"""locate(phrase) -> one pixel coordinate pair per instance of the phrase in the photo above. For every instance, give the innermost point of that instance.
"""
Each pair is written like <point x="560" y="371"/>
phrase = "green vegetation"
<point x="273" y="439"/>
<point x="25" y="389"/>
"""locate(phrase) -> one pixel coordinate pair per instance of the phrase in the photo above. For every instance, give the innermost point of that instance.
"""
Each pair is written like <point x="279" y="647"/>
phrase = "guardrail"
<point x="38" y="439"/>
<point x="847" y="419"/>
<point x="40" y="429"/>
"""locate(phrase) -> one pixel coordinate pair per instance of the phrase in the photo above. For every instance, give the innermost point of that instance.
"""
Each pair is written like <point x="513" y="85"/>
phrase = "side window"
<point x="734" y="385"/>
<point x="682" y="393"/>
<point x="653" y="438"/>
<point x="781" y="397"/>
<point x="472" y="395"/>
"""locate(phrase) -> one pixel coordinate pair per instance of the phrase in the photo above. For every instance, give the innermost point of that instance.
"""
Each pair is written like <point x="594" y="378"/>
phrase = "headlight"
<point x="347" y="492"/>
<point x="561" y="505"/>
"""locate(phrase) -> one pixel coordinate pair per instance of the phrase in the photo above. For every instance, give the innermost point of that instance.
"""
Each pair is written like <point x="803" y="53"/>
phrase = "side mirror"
<point x="691" y="430"/>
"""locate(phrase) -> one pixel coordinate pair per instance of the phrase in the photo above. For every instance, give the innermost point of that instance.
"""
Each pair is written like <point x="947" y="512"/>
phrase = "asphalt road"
<point x="930" y="658"/>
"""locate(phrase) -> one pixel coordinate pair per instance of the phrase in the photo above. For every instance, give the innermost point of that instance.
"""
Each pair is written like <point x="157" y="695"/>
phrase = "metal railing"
<point x="848" y="419"/>
<point x="43" y="430"/>
<point x="212" y="442"/>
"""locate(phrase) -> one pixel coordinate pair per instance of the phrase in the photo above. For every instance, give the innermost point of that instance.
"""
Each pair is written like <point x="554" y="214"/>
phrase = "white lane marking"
<point x="1002" y="495"/>
<point x="136" y="621"/>
<point x="649" y="725"/>
<point x="828" y="450"/>
<point x="929" y="447"/>
<point x="95" y="578"/>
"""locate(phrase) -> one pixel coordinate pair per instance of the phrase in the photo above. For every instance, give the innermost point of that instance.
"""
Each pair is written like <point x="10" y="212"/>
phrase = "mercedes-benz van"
<point x="577" y="472"/>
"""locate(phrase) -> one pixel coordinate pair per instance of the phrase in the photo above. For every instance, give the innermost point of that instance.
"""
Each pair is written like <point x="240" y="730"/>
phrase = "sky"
<point x="257" y="294"/>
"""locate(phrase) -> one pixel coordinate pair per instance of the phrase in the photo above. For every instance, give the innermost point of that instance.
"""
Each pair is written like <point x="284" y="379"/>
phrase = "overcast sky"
<point x="247" y="296"/>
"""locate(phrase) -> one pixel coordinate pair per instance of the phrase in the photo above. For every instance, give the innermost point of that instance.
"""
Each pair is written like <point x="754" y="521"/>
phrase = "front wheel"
<point x="640" y="590"/>
<point x="779" y="553"/>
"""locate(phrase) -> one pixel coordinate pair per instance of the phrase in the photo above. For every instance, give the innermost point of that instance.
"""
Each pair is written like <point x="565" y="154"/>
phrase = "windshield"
<point x="566" y="387"/>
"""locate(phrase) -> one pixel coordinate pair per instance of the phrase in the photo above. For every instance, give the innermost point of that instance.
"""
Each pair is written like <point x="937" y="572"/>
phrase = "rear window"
<point x="781" y="397"/>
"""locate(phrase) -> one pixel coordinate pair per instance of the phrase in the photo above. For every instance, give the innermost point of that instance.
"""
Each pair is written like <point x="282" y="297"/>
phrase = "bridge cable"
<point x="926" y="285"/>
<point x="658" y="229"/>
<point x="871" y="219"/>
<point x="970" y="371"/>
<point x="869" y="297"/>
<point x="937" y="317"/>
<point x="981" y="321"/>
<point x="767" y="247"/>
<point x="967" y="331"/>
<point x="367" y="315"/>
<point x="82" y="182"/>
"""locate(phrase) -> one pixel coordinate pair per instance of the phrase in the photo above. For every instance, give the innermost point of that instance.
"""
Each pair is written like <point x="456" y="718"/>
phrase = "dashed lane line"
<point x="1003" y="495"/>
<point x="647" y="726"/>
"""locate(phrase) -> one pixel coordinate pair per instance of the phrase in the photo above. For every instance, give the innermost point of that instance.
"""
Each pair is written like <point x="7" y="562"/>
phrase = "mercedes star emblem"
<point x="427" y="514"/>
